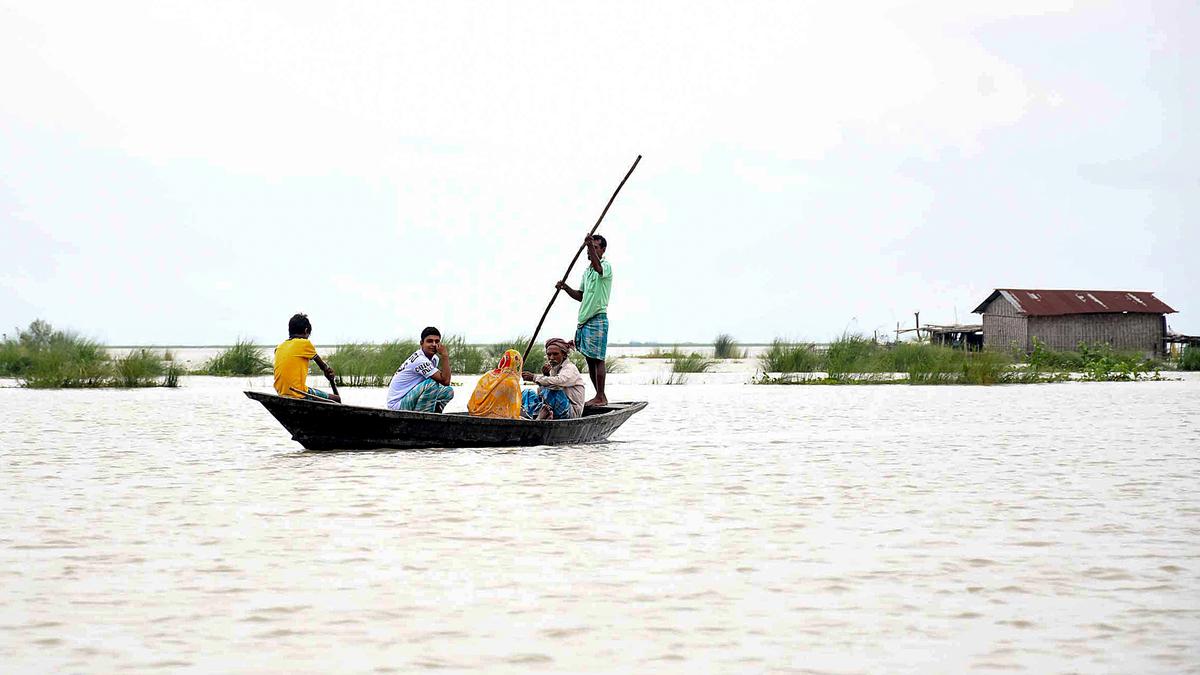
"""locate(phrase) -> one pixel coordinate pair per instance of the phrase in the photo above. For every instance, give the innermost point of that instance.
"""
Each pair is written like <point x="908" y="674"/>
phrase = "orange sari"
<point x="498" y="393"/>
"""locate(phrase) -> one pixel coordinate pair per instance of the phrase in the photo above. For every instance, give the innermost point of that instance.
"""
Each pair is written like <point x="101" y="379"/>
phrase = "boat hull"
<point x="329" y="426"/>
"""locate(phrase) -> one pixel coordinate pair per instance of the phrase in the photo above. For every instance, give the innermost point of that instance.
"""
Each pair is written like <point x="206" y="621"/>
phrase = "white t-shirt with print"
<point x="415" y="370"/>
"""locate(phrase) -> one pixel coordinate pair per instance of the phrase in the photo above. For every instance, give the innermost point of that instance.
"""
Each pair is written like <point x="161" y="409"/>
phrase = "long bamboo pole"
<point x="566" y="274"/>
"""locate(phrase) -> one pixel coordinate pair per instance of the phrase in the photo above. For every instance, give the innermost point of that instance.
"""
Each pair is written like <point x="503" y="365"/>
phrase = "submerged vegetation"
<point x="41" y="357"/>
<point x="243" y="358"/>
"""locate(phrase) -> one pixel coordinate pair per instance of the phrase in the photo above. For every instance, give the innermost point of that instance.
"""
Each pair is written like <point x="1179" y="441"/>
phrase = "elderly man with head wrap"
<point x="560" y="386"/>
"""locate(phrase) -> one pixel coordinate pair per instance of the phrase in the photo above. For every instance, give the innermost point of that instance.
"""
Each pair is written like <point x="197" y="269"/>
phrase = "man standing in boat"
<point x="591" y="335"/>
<point x="422" y="382"/>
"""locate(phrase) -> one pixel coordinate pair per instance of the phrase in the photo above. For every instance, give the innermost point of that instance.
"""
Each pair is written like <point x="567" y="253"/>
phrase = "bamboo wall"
<point x="1126" y="332"/>
<point x="1003" y="328"/>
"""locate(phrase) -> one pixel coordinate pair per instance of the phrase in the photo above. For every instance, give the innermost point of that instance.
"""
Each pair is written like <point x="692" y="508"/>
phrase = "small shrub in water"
<point x="786" y="357"/>
<point x="537" y="355"/>
<point x="725" y="347"/>
<point x="138" y="368"/>
<point x="692" y="363"/>
<point x="850" y="355"/>
<point x="243" y="358"/>
<point x="467" y="359"/>
<point x="1190" y="358"/>
<point x="369" y="365"/>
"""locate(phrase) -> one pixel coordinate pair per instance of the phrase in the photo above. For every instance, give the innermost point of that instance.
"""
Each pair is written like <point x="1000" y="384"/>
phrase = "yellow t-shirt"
<point x="291" y="366"/>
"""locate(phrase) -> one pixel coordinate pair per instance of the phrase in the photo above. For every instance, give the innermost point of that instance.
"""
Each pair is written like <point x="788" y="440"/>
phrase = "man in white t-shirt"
<point x="422" y="382"/>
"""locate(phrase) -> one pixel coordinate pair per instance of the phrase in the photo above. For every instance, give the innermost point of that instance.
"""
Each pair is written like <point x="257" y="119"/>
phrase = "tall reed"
<point x="243" y="358"/>
<point x="537" y="355"/>
<point x="788" y="357"/>
<point x="725" y="347"/>
<point x="1190" y="358"/>
<point x="41" y="357"/>
<point x="363" y="364"/>
<point x="138" y="368"/>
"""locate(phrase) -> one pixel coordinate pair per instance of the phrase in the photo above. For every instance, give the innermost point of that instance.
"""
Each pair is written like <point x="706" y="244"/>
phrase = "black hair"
<point x="601" y="239"/>
<point x="299" y="325"/>
<point x="430" y="331"/>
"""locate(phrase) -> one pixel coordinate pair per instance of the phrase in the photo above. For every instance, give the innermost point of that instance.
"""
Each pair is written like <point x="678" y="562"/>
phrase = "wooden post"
<point x="917" y="319"/>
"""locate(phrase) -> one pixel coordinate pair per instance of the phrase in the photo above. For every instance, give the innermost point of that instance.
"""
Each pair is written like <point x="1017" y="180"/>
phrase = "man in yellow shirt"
<point x="291" y="362"/>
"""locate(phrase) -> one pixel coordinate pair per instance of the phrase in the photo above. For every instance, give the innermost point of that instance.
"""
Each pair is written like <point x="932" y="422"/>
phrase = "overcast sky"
<point x="195" y="172"/>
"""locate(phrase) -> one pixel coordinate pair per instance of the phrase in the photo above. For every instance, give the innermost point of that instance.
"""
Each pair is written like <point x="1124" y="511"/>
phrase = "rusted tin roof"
<point x="1040" y="302"/>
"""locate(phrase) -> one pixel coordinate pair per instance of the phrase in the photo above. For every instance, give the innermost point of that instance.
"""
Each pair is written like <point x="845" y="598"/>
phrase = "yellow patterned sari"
<point x="498" y="393"/>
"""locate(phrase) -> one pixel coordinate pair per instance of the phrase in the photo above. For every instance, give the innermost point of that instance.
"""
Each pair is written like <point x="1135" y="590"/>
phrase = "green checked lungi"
<point x="429" y="396"/>
<point x="591" y="337"/>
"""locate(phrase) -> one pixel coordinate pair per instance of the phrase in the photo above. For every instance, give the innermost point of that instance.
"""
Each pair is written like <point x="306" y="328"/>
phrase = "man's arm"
<point x="575" y="295"/>
<point x="324" y="367"/>
<point x="593" y="251"/>
<point x="442" y="376"/>
<point x="568" y="375"/>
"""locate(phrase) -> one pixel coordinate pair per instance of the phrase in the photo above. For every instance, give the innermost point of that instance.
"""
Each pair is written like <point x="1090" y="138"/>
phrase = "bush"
<point x="139" y="368"/>
<point x="243" y="358"/>
<point x="537" y="355"/>
<point x="692" y="363"/>
<point x="363" y="364"/>
<point x="724" y="347"/>
<point x="787" y="357"/>
<point x="467" y="359"/>
<point x="850" y="355"/>
<point x="43" y="358"/>
<point x="1190" y="358"/>
<point x="14" y="360"/>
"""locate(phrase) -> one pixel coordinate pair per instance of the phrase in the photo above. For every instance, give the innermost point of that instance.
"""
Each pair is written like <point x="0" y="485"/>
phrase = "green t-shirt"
<point x="596" y="288"/>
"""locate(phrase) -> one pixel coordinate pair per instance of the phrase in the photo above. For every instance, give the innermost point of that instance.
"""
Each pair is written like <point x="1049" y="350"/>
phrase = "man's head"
<point x="556" y="350"/>
<point x="601" y="242"/>
<point x="430" y="339"/>
<point x="299" y="326"/>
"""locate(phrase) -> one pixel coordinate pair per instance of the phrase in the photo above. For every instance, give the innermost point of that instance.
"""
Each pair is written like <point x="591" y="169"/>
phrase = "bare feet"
<point x="595" y="402"/>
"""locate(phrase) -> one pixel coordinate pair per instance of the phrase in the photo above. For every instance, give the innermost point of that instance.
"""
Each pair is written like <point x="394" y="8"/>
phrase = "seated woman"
<point x="498" y="393"/>
<point x="560" y="386"/>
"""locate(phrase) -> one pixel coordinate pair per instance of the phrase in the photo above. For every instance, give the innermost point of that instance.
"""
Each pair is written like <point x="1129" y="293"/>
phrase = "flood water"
<point x="727" y="528"/>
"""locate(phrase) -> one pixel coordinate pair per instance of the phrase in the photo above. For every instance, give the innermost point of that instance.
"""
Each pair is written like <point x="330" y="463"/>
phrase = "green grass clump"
<point x="537" y="355"/>
<point x="1190" y="358"/>
<point x="658" y="353"/>
<point x="362" y="364"/>
<point x="467" y="359"/>
<point x="139" y="368"/>
<point x="787" y="357"/>
<point x="725" y="347"/>
<point x="243" y="358"/>
<point x="13" y="359"/>
<point x="41" y="357"/>
<point x="851" y="355"/>
<point x="692" y="363"/>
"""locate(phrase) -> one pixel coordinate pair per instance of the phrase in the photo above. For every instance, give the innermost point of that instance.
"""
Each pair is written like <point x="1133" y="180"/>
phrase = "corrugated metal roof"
<point x="1043" y="302"/>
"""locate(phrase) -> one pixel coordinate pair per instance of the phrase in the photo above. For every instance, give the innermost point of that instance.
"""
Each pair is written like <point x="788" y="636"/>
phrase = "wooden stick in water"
<point x="566" y="274"/>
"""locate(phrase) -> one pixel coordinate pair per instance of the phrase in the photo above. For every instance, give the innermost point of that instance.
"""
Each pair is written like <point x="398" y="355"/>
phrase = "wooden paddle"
<point x="566" y="274"/>
<point x="310" y="397"/>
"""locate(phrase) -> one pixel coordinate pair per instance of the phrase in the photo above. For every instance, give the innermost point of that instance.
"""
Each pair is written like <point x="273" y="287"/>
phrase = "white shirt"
<point x="415" y="370"/>
<point x="566" y="377"/>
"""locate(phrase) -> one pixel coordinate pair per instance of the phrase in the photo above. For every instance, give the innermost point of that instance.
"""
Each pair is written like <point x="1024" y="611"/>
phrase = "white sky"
<point x="190" y="173"/>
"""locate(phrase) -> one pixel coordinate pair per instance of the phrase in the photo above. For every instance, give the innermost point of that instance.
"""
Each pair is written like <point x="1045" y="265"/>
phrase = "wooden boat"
<point x="319" y="425"/>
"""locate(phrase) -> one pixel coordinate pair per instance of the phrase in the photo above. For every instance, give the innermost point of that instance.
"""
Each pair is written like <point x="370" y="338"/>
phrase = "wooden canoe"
<point x="319" y="425"/>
